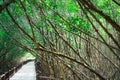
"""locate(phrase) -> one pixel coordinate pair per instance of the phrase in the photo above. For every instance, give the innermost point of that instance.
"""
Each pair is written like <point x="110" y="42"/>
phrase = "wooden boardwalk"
<point x="27" y="72"/>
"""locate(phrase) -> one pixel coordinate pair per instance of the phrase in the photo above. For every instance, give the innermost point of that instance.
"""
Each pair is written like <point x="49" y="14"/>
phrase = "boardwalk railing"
<point x="49" y="78"/>
<point x="11" y="72"/>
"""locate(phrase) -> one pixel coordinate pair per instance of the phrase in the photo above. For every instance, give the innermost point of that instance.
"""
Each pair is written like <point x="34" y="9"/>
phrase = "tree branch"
<point x="2" y="7"/>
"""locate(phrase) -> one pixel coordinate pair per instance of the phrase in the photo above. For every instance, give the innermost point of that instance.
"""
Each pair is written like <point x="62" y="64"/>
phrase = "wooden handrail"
<point x="13" y="70"/>
<point x="51" y="78"/>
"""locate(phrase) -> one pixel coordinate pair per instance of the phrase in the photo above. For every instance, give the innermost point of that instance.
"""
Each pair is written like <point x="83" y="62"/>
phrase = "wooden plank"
<point x="27" y="72"/>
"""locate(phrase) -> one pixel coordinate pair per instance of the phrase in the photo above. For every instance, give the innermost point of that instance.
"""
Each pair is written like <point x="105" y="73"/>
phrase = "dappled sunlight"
<point x="28" y="56"/>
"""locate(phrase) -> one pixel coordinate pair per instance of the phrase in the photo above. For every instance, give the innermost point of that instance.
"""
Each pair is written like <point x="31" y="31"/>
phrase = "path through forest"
<point x="27" y="72"/>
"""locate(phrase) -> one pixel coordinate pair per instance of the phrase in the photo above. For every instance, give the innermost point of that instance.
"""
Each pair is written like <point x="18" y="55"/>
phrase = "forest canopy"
<point x="70" y="39"/>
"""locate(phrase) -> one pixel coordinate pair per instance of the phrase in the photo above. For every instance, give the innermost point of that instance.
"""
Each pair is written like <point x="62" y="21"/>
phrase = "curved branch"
<point x="116" y="2"/>
<point x="70" y="58"/>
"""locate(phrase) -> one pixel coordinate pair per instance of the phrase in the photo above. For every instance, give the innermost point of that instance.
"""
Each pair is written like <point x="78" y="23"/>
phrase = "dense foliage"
<point x="71" y="39"/>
